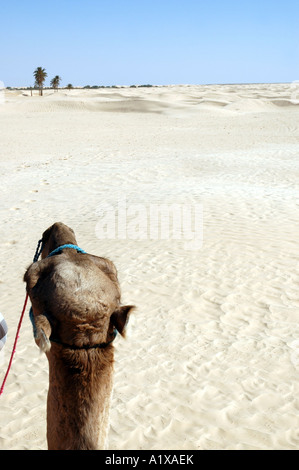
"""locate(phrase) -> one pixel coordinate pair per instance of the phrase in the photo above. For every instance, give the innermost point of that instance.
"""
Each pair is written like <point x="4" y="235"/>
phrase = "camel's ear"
<point x="43" y="333"/>
<point x="120" y="318"/>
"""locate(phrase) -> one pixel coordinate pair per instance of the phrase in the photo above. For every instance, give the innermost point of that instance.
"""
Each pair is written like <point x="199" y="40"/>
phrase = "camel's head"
<point x="56" y="235"/>
<point x="45" y="330"/>
<point x="75" y="296"/>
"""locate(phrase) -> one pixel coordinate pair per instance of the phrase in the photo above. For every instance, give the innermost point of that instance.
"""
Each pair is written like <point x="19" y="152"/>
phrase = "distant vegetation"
<point x="55" y="82"/>
<point x="40" y="76"/>
<point x="95" y="87"/>
<point x="87" y="87"/>
<point x="141" y="86"/>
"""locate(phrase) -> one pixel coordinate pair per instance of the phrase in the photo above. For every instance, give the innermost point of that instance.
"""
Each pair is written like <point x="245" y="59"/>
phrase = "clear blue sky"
<point x="94" y="42"/>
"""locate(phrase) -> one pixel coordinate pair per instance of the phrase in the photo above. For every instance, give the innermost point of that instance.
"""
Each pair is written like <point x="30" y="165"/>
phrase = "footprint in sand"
<point x="12" y="242"/>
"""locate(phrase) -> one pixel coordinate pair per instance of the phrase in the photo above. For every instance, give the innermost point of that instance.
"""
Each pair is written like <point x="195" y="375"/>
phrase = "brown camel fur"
<point x="76" y="307"/>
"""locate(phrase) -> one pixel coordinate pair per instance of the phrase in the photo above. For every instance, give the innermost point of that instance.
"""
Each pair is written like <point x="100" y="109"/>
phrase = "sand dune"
<point x="211" y="359"/>
<point x="156" y="99"/>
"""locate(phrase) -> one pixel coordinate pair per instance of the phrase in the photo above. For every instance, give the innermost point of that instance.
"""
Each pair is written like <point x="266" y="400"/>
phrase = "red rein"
<point x="15" y="345"/>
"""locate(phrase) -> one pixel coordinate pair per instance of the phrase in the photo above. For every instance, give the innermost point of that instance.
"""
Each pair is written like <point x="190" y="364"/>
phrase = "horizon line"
<point x="144" y="85"/>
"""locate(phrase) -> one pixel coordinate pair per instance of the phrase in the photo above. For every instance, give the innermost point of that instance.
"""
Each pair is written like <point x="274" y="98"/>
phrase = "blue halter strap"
<point x="62" y="247"/>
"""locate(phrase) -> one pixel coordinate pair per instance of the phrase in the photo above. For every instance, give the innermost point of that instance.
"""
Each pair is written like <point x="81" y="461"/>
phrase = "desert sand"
<point x="211" y="358"/>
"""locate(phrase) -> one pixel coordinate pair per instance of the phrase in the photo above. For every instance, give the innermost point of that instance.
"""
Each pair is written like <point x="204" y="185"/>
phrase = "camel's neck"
<point x="80" y="387"/>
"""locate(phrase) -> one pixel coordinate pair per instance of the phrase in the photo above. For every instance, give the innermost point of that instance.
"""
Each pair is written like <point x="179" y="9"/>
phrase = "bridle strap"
<point x="62" y="247"/>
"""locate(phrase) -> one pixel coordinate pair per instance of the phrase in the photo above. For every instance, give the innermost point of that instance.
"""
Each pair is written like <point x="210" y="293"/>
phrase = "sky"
<point x="158" y="42"/>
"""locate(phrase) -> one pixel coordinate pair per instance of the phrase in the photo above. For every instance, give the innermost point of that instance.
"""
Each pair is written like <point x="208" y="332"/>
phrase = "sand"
<point x="211" y="359"/>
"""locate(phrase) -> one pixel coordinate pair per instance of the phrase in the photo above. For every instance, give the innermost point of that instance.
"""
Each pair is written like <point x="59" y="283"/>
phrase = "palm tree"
<point x="55" y="82"/>
<point x="40" y="75"/>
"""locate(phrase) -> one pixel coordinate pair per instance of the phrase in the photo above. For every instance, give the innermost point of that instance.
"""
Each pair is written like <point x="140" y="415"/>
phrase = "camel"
<point x="76" y="313"/>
